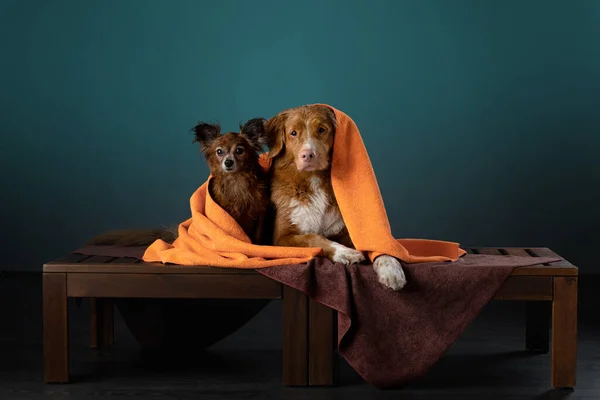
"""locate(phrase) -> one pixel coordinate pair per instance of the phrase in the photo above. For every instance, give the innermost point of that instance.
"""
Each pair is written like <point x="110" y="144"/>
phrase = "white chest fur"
<point x="317" y="215"/>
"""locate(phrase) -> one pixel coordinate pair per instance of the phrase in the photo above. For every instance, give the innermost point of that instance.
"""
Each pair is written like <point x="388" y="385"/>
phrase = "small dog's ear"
<point x="206" y="133"/>
<point x="254" y="131"/>
<point x="275" y="130"/>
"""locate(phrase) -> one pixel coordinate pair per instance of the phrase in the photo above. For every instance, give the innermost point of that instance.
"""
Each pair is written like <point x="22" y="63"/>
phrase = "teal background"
<point x="481" y="117"/>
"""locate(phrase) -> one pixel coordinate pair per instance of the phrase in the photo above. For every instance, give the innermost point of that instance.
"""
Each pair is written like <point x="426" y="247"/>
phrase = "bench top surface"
<point x="79" y="263"/>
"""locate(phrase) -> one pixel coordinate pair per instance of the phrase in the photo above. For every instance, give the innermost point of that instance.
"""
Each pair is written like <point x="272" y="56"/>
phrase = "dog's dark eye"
<point x="294" y="133"/>
<point x="219" y="152"/>
<point x="321" y="129"/>
<point x="239" y="150"/>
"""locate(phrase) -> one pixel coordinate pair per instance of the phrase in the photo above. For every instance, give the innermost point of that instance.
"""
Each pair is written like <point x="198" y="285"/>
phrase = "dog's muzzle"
<point x="228" y="164"/>
<point x="307" y="158"/>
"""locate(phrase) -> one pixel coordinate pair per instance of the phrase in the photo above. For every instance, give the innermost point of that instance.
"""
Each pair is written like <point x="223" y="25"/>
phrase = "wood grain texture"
<point x="176" y="286"/>
<point x="526" y="288"/>
<point x="321" y="346"/>
<point x="295" y="337"/>
<point x="56" y="328"/>
<point x="543" y="270"/>
<point x="562" y="268"/>
<point x="564" y="332"/>
<point x="86" y="267"/>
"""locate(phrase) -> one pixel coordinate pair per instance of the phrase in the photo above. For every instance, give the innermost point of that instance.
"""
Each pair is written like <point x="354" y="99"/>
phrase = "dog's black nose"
<point x="228" y="163"/>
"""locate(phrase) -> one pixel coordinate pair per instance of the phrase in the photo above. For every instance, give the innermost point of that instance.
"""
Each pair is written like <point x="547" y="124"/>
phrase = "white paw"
<point x="346" y="255"/>
<point x="389" y="271"/>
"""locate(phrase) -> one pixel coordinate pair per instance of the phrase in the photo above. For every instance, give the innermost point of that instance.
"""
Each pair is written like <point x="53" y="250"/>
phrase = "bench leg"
<point x="295" y="337"/>
<point x="101" y="323"/>
<point x="321" y="344"/>
<point x="56" y="328"/>
<point x="538" y="326"/>
<point x="564" y="332"/>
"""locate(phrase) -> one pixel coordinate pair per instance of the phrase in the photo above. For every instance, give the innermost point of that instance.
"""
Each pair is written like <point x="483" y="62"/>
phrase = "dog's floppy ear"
<point x="205" y="133"/>
<point x="254" y="130"/>
<point x="275" y="128"/>
<point x="332" y="118"/>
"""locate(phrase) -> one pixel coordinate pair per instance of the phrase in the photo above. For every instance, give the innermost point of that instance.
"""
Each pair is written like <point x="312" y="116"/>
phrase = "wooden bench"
<point x="309" y="332"/>
<point x="550" y="291"/>
<point x="103" y="279"/>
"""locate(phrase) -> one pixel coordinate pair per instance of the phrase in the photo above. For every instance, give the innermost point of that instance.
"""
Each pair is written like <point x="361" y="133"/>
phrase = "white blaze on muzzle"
<point x="309" y="147"/>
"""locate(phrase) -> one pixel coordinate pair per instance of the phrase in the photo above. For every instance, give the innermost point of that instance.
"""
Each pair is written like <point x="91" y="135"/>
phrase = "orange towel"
<point x="212" y="237"/>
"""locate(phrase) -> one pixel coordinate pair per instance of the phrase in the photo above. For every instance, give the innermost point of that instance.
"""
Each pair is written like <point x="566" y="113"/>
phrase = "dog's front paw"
<point x="389" y="271"/>
<point x="346" y="255"/>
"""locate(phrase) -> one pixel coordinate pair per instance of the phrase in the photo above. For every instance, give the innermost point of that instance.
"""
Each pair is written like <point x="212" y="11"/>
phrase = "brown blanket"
<point x="391" y="338"/>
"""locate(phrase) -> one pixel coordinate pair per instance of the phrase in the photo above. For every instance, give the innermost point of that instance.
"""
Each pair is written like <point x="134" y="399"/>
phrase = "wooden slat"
<point x="513" y="251"/>
<point x="142" y="268"/>
<point x="99" y="259"/>
<point x="124" y="260"/>
<point x="554" y="269"/>
<point x="545" y="252"/>
<point x="537" y="288"/>
<point x="542" y="252"/>
<point x="56" y="328"/>
<point x="541" y="270"/>
<point x="564" y="332"/>
<point x="295" y="337"/>
<point x="178" y="286"/>
<point x="71" y="259"/>
<point x="77" y="263"/>
<point x="321" y="344"/>
<point x="145" y="268"/>
<point x="560" y="268"/>
<point x="489" y="251"/>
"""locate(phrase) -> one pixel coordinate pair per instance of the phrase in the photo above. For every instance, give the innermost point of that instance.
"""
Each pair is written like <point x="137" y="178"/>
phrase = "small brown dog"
<point x="306" y="211"/>
<point x="238" y="185"/>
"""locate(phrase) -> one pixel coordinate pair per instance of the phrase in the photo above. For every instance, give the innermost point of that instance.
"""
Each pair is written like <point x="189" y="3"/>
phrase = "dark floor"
<point x="487" y="362"/>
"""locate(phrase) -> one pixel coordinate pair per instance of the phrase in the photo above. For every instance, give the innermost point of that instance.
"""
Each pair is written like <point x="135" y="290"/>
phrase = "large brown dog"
<point x="306" y="212"/>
